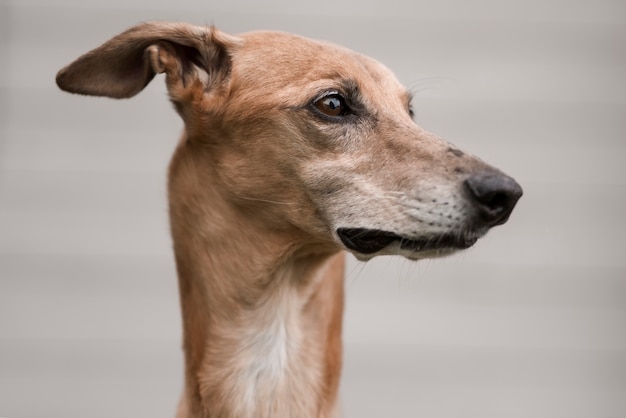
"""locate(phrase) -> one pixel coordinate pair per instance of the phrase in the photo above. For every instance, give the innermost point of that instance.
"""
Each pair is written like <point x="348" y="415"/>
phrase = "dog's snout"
<point x="494" y="196"/>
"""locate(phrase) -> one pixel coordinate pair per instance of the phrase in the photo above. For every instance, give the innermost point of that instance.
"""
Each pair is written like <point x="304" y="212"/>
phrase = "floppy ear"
<point x="124" y="65"/>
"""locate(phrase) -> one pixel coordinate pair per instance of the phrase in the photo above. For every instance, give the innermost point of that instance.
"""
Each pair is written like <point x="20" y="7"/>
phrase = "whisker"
<point x="255" y="199"/>
<point x="425" y="83"/>
<point x="394" y="193"/>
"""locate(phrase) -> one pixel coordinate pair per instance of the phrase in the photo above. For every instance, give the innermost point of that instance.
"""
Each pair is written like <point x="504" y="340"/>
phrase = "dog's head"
<point x="306" y="136"/>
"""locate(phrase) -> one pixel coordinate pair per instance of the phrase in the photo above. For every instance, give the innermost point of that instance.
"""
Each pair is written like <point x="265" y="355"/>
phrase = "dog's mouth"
<point x="370" y="241"/>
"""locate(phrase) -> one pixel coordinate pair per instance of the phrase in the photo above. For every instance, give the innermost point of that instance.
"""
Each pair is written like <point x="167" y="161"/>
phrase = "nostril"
<point x="497" y="200"/>
<point x="494" y="195"/>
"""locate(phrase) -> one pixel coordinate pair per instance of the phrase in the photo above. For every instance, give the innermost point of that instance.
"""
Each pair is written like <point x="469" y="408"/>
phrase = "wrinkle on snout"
<point x="455" y="151"/>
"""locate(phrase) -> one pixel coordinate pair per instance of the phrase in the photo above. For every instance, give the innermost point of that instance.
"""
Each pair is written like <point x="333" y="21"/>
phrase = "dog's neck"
<point x="261" y="316"/>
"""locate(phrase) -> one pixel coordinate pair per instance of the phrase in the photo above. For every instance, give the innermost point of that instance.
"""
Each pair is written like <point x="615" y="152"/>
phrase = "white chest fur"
<point x="268" y="368"/>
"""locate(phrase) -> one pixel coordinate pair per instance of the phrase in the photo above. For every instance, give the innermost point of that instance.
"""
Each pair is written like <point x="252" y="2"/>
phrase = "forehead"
<point x="279" y="60"/>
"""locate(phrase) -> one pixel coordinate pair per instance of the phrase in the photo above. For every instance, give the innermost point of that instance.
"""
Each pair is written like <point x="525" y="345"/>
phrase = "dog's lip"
<point x="370" y="241"/>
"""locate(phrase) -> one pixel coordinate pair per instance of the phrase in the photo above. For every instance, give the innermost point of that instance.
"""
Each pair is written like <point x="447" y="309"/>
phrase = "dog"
<point x="294" y="151"/>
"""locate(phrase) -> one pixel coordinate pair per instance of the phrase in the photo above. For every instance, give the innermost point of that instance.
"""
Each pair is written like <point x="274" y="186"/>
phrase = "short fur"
<point x="266" y="190"/>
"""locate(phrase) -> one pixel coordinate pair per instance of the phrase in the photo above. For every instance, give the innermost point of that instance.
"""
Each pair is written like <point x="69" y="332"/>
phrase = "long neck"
<point x="261" y="315"/>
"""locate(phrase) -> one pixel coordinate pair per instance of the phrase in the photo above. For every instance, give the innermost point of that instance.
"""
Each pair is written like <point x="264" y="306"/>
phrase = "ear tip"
<point x="66" y="81"/>
<point x="77" y="79"/>
<point x="62" y="80"/>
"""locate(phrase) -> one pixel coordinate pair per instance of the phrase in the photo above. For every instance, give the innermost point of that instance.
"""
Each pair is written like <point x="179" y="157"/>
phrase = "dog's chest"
<point x="278" y="369"/>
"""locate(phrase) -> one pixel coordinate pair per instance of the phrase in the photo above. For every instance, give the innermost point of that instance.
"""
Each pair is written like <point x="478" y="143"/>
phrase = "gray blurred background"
<point x="531" y="322"/>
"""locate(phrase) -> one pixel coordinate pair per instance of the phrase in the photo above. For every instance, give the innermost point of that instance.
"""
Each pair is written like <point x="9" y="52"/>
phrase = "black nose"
<point x="494" y="196"/>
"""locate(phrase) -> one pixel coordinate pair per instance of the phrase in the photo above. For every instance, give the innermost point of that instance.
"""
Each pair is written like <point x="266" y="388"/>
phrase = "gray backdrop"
<point x="529" y="323"/>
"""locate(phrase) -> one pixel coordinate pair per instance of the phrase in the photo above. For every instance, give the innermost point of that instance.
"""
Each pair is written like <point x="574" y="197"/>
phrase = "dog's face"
<point x="336" y="135"/>
<point x="313" y="137"/>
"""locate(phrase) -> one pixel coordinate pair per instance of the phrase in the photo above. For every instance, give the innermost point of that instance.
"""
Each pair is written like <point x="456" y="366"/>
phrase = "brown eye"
<point x="332" y="105"/>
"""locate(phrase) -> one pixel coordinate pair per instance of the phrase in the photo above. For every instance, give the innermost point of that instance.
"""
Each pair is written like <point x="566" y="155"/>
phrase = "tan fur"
<point x="259" y="187"/>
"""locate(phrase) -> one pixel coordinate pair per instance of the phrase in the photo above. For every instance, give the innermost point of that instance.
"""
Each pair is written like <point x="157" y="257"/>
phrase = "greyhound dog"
<point x="293" y="152"/>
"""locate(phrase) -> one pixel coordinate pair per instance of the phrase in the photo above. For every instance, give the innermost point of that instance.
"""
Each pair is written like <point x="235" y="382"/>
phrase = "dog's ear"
<point x="190" y="56"/>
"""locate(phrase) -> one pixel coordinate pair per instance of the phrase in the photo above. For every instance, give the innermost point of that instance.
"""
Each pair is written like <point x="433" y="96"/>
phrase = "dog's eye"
<point x="332" y="105"/>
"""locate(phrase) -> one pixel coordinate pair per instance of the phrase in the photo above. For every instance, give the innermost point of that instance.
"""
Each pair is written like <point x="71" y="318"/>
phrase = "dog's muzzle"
<point x="491" y="197"/>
